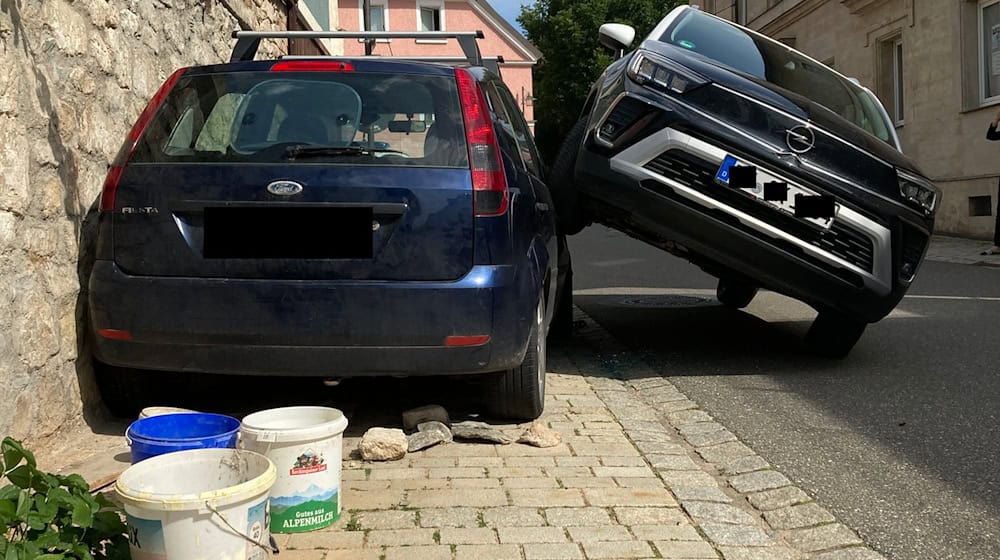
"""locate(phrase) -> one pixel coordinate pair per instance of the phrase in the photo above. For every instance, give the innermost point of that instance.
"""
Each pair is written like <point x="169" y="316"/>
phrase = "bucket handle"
<point x="271" y="548"/>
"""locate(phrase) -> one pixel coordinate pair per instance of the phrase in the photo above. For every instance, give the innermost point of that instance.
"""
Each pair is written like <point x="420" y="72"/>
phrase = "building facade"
<point x="934" y="63"/>
<point x="501" y="39"/>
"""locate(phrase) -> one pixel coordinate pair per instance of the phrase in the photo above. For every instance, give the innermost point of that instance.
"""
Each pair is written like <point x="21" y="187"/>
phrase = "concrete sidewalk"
<point x="641" y="473"/>
<point x="959" y="250"/>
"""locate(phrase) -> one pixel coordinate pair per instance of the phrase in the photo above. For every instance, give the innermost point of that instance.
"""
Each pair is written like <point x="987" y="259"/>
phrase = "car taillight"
<point x="312" y="66"/>
<point x="489" y="184"/>
<point x="118" y="165"/>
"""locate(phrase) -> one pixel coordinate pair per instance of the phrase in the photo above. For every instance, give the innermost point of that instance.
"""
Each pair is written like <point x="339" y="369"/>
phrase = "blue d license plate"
<point x="722" y="175"/>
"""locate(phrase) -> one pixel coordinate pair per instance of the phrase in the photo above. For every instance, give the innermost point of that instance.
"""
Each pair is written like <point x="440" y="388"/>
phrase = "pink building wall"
<point x="457" y="16"/>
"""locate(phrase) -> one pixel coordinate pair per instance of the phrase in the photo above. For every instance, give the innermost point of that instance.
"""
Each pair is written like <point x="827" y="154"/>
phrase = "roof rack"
<point x="247" y="42"/>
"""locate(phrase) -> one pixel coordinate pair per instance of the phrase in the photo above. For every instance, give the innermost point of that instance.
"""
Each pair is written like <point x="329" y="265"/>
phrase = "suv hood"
<point x="784" y="100"/>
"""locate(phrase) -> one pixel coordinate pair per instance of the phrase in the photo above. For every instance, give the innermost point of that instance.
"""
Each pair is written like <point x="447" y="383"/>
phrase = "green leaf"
<point x="43" y="482"/>
<point x="83" y="516"/>
<point x="82" y="552"/>
<point x="104" y="502"/>
<point x="7" y="513"/>
<point x="9" y="492"/>
<point x="60" y="497"/>
<point x="21" y="476"/>
<point x="51" y="557"/>
<point x="109" y="523"/>
<point x="74" y="481"/>
<point x="14" y="452"/>
<point x="23" y="506"/>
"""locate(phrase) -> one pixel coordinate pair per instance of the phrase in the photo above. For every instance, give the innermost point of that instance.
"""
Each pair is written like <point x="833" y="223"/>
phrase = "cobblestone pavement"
<point x="641" y="473"/>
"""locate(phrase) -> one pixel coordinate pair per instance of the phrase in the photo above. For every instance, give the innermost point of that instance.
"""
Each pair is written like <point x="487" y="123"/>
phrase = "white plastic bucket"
<point x="161" y="410"/>
<point x="306" y="445"/>
<point x="199" y="504"/>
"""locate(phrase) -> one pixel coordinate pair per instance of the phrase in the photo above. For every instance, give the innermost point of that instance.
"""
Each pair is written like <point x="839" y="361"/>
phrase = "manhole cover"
<point x="664" y="301"/>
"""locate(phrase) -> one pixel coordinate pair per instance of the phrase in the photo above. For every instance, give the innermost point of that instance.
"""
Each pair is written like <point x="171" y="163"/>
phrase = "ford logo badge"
<point x="284" y="188"/>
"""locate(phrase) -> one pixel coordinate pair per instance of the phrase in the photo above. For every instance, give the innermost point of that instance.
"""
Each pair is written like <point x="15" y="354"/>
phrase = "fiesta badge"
<point x="284" y="188"/>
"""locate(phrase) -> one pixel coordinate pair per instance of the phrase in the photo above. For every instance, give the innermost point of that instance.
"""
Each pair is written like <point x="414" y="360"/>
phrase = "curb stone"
<point x="743" y="507"/>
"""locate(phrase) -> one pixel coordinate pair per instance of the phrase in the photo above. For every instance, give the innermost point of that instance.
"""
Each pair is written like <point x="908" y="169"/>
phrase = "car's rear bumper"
<point x="660" y="202"/>
<point x="308" y="328"/>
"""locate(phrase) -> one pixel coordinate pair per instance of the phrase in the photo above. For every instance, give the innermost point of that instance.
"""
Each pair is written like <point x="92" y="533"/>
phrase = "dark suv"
<point x="757" y="163"/>
<point x="327" y="217"/>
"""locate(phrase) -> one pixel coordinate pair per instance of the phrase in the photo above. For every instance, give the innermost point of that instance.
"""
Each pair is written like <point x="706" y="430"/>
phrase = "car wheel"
<point x="832" y="335"/>
<point x="735" y="294"/>
<point x="571" y="214"/>
<point x="124" y="391"/>
<point x="519" y="393"/>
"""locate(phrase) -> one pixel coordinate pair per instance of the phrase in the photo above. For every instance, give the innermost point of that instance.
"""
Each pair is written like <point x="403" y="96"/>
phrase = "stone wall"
<point x="74" y="75"/>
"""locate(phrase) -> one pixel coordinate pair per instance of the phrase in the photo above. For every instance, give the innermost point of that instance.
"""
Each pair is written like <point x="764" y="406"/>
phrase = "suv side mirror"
<point x="617" y="36"/>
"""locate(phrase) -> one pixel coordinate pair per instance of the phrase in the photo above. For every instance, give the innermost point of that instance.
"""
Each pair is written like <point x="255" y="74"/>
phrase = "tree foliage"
<point x="566" y="33"/>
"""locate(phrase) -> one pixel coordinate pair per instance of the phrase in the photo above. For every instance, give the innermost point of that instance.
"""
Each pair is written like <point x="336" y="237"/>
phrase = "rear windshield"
<point x="769" y="60"/>
<point x="290" y="117"/>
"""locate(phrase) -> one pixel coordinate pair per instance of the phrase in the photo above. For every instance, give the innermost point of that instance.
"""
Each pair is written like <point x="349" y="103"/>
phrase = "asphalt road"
<point x="901" y="440"/>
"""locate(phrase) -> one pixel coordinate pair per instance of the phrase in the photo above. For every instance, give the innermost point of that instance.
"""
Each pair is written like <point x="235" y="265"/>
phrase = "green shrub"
<point x="49" y="517"/>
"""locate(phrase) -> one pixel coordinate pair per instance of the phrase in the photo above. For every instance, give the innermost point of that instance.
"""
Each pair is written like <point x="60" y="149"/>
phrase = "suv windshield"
<point x="330" y="117"/>
<point x="763" y="58"/>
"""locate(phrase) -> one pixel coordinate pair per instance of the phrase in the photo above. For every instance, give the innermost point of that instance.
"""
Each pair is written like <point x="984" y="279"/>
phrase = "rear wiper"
<point x="304" y="151"/>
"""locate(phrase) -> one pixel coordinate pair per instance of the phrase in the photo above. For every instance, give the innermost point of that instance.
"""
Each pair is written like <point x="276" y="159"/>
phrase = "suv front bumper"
<point x="661" y="188"/>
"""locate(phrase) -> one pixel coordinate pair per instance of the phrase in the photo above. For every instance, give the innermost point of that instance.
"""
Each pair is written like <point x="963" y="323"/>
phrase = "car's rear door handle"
<point x="541" y="206"/>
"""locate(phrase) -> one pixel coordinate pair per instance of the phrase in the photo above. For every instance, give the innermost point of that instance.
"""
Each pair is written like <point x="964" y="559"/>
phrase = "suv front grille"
<point x="840" y="240"/>
<point x="625" y="113"/>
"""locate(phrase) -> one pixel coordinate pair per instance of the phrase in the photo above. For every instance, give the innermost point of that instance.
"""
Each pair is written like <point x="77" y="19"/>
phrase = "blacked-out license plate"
<point x="288" y="233"/>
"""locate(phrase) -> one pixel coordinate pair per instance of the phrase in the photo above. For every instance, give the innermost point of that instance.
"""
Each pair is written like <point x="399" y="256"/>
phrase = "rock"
<point x="479" y="431"/>
<point x="431" y="413"/>
<point x="383" y="444"/>
<point x="428" y="434"/>
<point x="540" y="435"/>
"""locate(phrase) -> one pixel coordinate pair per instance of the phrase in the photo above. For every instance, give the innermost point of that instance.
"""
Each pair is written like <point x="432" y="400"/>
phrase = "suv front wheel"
<point x="519" y="393"/>
<point x="571" y="212"/>
<point x="735" y="294"/>
<point x="833" y="335"/>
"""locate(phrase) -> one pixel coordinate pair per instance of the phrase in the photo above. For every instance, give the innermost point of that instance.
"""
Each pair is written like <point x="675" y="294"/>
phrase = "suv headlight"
<point x="918" y="190"/>
<point x="661" y="73"/>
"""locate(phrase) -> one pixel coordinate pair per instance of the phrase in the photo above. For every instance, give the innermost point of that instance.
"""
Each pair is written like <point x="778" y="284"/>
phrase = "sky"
<point x="510" y="9"/>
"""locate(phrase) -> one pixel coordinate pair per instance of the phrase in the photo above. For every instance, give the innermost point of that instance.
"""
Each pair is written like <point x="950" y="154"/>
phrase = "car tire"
<point x="122" y="390"/>
<point x="519" y="393"/>
<point x="833" y="335"/>
<point x="571" y="213"/>
<point x="734" y="294"/>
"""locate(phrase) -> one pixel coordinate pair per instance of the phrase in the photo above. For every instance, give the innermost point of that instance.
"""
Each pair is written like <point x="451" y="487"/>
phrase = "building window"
<point x="430" y="19"/>
<point x="891" y="82"/>
<point x="898" y="85"/>
<point x="989" y="50"/>
<point x="378" y="16"/>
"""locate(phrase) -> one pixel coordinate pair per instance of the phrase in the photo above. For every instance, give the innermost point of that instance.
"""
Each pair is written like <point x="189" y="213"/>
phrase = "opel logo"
<point x="800" y="139"/>
<point x="284" y="188"/>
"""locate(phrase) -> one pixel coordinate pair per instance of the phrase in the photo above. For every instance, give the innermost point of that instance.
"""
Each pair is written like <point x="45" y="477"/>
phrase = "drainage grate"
<point x="664" y="301"/>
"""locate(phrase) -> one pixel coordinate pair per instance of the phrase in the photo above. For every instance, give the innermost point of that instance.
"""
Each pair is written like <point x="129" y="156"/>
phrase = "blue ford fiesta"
<point x="331" y="218"/>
